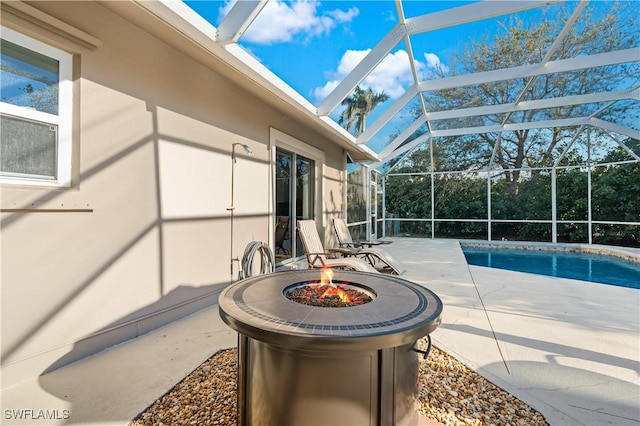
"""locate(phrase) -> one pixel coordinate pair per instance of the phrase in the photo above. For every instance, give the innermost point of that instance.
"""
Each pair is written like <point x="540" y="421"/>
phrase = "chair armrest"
<point x="353" y="245"/>
<point x="369" y="243"/>
<point x="374" y="243"/>
<point x="312" y="258"/>
<point x="345" y="251"/>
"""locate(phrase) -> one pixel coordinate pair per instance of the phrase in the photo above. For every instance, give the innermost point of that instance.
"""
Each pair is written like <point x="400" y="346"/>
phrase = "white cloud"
<point x="433" y="62"/>
<point x="344" y="16"/>
<point x="392" y="75"/>
<point x="389" y="16"/>
<point x="349" y="60"/>
<point x="281" y="22"/>
<point x="323" y="92"/>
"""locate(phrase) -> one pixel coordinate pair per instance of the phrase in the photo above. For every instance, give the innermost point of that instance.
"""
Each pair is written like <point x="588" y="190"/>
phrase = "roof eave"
<point x="258" y="79"/>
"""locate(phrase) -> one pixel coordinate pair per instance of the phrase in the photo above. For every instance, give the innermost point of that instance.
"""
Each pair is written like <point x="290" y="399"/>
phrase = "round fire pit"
<point x="328" y="362"/>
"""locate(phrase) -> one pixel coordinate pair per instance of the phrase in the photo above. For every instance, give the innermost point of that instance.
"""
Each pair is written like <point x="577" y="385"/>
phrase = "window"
<point x="35" y="112"/>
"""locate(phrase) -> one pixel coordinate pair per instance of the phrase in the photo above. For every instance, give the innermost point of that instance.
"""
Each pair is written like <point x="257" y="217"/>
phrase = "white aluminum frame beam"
<point x="534" y="70"/>
<point x="511" y="127"/>
<point x="503" y="109"/>
<point x="238" y="19"/>
<point x="433" y="21"/>
<point x="530" y="105"/>
<point x="623" y="145"/>
<point x="563" y="65"/>
<point x="547" y="57"/>
<point x="408" y="131"/>
<point x="569" y="145"/>
<point x="404" y="148"/>
<point x="388" y="114"/>
<point x="364" y="68"/>
<point x="615" y="128"/>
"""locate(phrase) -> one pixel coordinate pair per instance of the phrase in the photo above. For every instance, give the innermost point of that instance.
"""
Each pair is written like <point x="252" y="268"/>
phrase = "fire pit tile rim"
<point x="236" y="314"/>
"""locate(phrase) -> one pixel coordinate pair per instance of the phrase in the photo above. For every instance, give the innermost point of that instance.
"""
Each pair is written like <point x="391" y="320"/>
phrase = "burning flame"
<point x="326" y="276"/>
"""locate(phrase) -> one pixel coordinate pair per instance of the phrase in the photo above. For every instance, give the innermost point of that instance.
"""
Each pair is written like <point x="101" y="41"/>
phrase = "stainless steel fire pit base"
<point x="284" y="386"/>
<point x="309" y="365"/>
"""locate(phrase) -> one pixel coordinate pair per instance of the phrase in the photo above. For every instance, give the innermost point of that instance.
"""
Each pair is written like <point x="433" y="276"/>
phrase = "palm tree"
<point x="359" y="105"/>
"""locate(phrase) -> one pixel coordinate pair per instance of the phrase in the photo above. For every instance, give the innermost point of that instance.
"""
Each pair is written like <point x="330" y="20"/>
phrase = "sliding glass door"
<point x="295" y="200"/>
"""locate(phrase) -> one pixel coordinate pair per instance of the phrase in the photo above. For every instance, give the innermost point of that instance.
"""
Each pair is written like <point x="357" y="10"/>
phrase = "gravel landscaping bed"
<point x="450" y="393"/>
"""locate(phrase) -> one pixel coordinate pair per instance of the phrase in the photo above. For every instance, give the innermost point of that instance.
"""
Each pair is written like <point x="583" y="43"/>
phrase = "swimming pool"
<point x="579" y="266"/>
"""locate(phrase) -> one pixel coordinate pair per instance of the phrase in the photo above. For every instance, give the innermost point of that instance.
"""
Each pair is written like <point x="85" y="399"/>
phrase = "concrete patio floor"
<point x="570" y="349"/>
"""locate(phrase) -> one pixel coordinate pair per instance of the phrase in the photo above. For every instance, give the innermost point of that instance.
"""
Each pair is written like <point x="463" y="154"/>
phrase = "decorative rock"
<point x="451" y="393"/>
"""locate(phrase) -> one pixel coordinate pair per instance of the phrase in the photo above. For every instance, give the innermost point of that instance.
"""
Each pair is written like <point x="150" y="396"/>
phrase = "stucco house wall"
<point x="142" y="237"/>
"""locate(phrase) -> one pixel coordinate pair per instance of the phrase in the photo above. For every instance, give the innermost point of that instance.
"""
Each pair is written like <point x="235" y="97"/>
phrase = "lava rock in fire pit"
<point x="328" y="296"/>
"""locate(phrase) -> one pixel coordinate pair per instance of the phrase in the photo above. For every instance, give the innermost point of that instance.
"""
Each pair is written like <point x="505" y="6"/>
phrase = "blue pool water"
<point x="577" y="266"/>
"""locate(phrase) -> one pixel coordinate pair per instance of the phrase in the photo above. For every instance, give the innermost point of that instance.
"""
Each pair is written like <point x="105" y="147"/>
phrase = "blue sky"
<point x="312" y="45"/>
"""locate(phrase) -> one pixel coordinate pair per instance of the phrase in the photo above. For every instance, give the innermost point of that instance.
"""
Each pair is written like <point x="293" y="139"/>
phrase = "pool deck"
<point x="570" y="349"/>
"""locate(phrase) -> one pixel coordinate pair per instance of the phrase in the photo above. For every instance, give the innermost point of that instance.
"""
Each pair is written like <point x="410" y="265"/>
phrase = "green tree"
<point x="615" y="197"/>
<point x="602" y="27"/>
<point x="460" y="197"/>
<point x="518" y="43"/>
<point x="572" y="204"/>
<point x="358" y="106"/>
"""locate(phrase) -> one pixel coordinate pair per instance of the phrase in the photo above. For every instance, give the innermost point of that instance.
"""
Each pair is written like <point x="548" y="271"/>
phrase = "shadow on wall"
<point x="180" y="302"/>
<point x="110" y="259"/>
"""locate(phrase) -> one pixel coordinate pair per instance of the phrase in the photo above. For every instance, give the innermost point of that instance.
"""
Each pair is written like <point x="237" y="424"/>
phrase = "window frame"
<point x="279" y="139"/>
<point x="63" y="120"/>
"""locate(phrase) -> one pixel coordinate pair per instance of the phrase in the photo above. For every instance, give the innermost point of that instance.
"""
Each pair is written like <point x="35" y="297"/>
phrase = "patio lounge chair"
<point x="344" y="236"/>
<point x="317" y="257"/>
<point x="372" y="254"/>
